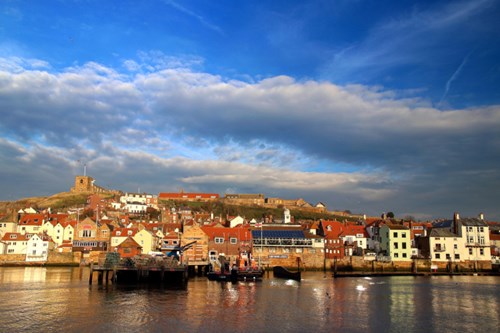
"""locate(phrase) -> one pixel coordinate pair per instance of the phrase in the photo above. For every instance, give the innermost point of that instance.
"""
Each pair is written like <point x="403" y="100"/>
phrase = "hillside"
<point x="57" y="201"/>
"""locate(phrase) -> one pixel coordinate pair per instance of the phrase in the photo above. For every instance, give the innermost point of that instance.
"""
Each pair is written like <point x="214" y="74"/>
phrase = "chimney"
<point x="456" y="217"/>
<point x="481" y="216"/>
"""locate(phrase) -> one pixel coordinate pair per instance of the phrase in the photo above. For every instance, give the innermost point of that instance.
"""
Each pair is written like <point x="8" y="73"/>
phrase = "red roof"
<point x="15" y="236"/>
<point x="124" y="232"/>
<point x="353" y="230"/>
<point x="242" y="234"/>
<point x="31" y="219"/>
<point x="332" y="229"/>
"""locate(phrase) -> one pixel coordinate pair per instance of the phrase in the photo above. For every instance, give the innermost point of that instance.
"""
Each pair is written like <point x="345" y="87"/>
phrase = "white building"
<point x="15" y="243"/>
<point x="37" y="249"/>
<point x="476" y="234"/>
<point x="445" y="246"/>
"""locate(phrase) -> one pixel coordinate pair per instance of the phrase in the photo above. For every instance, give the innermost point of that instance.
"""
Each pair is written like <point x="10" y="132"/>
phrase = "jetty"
<point x="139" y="269"/>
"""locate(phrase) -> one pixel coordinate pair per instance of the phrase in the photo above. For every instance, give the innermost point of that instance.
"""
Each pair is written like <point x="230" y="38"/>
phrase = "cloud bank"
<point x="162" y="128"/>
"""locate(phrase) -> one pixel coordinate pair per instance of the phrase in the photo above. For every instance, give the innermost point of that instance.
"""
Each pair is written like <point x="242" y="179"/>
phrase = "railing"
<point x="283" y="242"/>
<point x="440" y="249"/>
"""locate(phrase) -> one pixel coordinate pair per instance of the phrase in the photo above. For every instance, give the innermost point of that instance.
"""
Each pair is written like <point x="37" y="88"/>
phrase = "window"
<point x="481" y="229"/>
<point x="470" y="251"/>
<point x="233" y="240"/>
<point x="404" y="255"/>
<point x="395" y="234"/>
<point x="403" y="234"/>
<point x="298" y="250"/>
<point x="219" y="240"/>
<point x="437" y="256"/>
<point x="481" y="252"/>
<point x="396" y="255"/>
<point x="404" y="245"/>
<point x="481" y="239"/>
<point x="395" y="245"/>
<point x="448" y="256"/>
<point x="455" y="246"/>
<point x="88" y="233"/>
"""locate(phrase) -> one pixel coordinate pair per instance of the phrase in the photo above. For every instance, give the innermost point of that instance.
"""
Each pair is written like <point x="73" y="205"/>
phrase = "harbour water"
<point x="59" y="299"/>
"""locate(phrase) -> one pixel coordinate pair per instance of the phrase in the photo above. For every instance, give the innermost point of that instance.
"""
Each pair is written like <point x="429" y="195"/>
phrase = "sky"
<point x="363" y="105"/>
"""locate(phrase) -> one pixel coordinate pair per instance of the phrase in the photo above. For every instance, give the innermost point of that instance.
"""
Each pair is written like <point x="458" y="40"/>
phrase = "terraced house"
<point x="396" y="242"/>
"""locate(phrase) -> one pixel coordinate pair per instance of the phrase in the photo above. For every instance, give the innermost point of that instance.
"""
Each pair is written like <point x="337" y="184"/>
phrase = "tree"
<point x="390" y="215"/>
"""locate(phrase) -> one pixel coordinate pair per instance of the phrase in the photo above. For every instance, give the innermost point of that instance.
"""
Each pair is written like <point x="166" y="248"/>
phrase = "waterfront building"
<point x="228" y="242"/>
<point x="476" y="234"/>
<point x="333" y="243"/>
<point x="396" y="242"/>
<point x="355" y="239"/>
<point x="285" y="245"/>
<point x="38" y="247"/>
<point x="445" y="247"/>
<point x="198" y="253"/>
<point x="91" y="238"/>
<point x="15" y="243"/>
<point x="372" y="227"/>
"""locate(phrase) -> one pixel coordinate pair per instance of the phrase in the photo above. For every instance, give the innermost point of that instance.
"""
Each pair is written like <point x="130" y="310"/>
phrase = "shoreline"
<point x="396" y="273"/>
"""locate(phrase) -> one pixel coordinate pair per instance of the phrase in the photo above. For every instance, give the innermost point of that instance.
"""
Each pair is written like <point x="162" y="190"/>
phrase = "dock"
<point x="148" y="270"/>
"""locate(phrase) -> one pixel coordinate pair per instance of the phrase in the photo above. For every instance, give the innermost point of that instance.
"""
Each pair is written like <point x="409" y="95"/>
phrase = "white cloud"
<point x="179" y="128"/>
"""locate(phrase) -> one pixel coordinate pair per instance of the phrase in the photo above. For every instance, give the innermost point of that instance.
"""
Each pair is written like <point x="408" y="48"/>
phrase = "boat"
<point x="242" y="270"/>
<point x="283" y="273"/>
<point x="235" y="274"/>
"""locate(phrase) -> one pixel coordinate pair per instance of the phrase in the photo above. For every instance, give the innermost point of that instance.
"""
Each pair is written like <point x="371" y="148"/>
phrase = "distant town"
<point x="135" y="224"/>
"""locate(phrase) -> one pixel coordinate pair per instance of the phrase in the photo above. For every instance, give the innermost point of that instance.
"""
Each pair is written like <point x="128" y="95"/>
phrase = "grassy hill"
<point x="59" y="201"/>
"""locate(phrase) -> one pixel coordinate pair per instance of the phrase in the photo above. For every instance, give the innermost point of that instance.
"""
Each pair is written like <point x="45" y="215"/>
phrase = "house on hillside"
<point x="31" y="223"/>
<point x="15" y="243"/>
<point x="38" y="248"/>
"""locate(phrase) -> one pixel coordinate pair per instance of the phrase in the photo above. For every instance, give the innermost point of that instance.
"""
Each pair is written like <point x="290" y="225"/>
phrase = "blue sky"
<point x="370" y="106"/>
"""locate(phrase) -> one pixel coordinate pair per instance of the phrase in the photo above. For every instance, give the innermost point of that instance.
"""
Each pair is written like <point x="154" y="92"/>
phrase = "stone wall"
<point x="54" y="258"/>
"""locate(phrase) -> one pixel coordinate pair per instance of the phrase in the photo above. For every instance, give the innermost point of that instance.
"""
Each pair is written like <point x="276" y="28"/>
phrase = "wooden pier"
<point x="142" y="270"/>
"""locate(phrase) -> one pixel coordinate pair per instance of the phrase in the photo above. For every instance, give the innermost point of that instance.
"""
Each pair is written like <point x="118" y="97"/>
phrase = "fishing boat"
<point x="283" y="273"/>
<point x="242" y="270"/>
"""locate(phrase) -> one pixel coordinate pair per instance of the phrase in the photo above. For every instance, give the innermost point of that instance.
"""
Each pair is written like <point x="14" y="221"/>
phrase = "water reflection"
<point x="60" y="300"/>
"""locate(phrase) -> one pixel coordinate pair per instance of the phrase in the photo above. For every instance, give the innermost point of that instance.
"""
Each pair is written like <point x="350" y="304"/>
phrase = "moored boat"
<point x="283" y="273"/>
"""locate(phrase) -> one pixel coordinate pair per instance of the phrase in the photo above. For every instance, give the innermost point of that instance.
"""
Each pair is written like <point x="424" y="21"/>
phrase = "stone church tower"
<point x="83" y="184"/>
